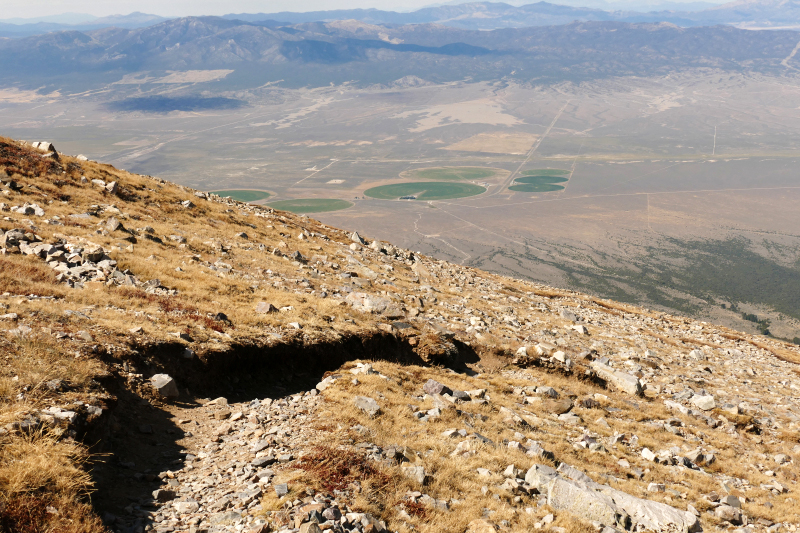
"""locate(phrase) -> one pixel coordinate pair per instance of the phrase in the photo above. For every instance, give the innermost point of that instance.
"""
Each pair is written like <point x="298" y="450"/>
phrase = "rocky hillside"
<point x="177" y="362"/>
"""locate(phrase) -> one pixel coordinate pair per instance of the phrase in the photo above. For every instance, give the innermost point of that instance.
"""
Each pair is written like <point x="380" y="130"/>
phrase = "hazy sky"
<point x="39" y="8"/>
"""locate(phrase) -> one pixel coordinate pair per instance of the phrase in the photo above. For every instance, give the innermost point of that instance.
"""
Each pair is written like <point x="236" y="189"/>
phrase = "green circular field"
<point x="542" y="180"/>
<point x="243" y="195"/>
<point x="451" y="173"/>
<point x="425" y="190"/>
<point x="311" y="205"/>
<point x="545" y="172"/>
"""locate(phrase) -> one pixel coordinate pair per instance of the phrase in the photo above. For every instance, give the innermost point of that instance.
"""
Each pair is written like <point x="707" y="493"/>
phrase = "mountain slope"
<point x="491" y="404"/>
<point x="21" y="28"/>
<point x="320" y="53"/>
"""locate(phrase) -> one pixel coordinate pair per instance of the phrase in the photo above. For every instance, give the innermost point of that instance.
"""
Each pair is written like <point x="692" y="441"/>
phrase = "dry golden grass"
<point x="34" y="361"/>
<point x="43" y="486"/>
<point x="40" y="462"/>
<point x="20" y="275"/>
<point x="457" y="477"/>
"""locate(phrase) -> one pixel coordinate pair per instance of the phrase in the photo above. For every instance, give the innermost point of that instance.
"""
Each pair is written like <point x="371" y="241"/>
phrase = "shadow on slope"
<point x="140" y="441"/>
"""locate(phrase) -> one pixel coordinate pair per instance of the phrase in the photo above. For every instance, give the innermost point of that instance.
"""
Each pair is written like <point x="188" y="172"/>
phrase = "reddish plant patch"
<point x="336" y="469"/>
<point x="26" y="162"/>
<point x="24" y="514"/>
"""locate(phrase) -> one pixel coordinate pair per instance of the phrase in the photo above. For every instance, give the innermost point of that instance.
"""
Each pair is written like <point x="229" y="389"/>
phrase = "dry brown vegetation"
<point x="456" y="477"/>
<point x="43" y="486"/>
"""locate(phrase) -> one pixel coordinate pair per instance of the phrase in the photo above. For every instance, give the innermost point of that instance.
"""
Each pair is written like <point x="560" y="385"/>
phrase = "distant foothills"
<point x="470" y="16"/>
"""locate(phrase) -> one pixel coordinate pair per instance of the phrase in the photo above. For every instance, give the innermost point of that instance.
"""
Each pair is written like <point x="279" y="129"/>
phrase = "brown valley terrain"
<point x="174" y="361"/>
<point x="679" y="191"/>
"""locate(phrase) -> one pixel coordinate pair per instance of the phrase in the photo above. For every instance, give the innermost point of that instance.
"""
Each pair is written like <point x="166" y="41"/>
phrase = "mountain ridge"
<point x="305" y="54"/>
<point x="468" y="16"/>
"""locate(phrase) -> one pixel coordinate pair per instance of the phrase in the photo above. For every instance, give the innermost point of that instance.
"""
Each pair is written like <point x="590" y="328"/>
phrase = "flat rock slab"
<point x="572" y="491"/>
<point x="621" y="380"/>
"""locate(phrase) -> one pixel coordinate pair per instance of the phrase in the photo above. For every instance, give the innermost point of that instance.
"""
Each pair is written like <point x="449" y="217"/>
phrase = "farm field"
<point x="425" y="190"/>
<point x="451" y="173"/>
<point x="542" y="180"/>
<point x="668" y="187"/>
<point x="311" y="205"/>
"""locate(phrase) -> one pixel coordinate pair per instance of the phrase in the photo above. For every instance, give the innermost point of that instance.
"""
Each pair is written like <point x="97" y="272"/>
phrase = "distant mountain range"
<point x="469" y="16"/>
<point x="320" y="53"/>
<point x="494" y="15"/>
<point x="74" y="22"/>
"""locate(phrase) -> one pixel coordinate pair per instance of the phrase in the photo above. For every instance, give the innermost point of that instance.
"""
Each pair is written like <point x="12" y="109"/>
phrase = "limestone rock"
<point x="415" y="473"/>
<point x="600" y="503"/>
<point x="368" y="405"/>
<point x="165" y="385"/>
<point x="481" y="526"/>
<point x="621" y="380"/>
<point x="706" y="403"/>
<point x="369" y="303"/>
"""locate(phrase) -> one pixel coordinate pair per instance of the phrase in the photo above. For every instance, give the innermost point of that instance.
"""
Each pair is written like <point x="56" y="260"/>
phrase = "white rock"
<point x="706" y="403"/>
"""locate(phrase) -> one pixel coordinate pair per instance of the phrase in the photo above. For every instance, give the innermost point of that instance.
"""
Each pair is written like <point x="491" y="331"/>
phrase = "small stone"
<point x="223" y="414"/>
<point x="310" y="527"/>
<point x="558" y="407"/>
<point x="568" y="315"/>
<point x="332" y="513"/>
<point x="281" y="489"/>
<point x="415" y="473"/>
<point x="368" y="405"/>
<point x="264" y="308"/>
<point x="481" y="526"/>
<point x="731" y="500"/>
<point x="161" y="495"/>
<point x="782" y="459"/>
<point x="186" y="507"/>
<point x="729" y="514"/>
<point x="434" y="387"/>
<point x="112" y="224"/>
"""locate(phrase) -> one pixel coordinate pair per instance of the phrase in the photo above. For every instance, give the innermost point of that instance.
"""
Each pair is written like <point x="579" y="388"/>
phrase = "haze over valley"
<point x="639" y="161"/>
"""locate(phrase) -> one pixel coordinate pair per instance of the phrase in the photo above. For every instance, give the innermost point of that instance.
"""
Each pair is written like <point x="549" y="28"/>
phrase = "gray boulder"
<point x="369" y="303"/>
<point x="572" y="491"/>
<point x="165" y="385"/>
<point x="706" y="403"/>
<point x="434" y="387"/>
<point x="621" y="380"/>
